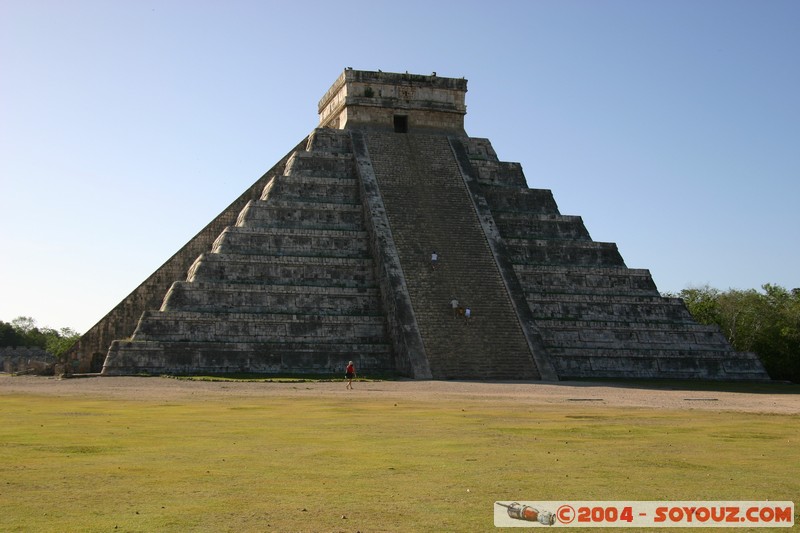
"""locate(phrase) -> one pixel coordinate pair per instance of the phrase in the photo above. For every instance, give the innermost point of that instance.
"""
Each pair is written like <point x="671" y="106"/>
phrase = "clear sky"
<point x="672" y="127"/>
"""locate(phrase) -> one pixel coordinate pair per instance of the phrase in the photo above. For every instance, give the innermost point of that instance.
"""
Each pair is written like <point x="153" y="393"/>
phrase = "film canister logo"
<point x="644" y="514"/>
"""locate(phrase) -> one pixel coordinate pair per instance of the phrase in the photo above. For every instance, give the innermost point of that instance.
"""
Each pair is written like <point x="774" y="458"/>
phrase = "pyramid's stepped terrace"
<point x="596" y="316"/>
<point x="289" y="288"/>
<point x="91" y="350"/>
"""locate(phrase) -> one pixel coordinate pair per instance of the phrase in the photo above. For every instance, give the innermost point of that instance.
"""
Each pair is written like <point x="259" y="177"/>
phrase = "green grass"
<point x="300" y="464"/>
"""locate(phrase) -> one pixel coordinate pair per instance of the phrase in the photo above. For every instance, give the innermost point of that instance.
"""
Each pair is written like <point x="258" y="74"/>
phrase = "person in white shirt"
<point x="454" y="305"/>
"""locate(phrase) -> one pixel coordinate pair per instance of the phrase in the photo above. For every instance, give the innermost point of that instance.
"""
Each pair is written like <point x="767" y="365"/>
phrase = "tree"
<point x="766" y="323"/>
<point x="779" y="333"/>
<point x="22" y="331"/>
<point x="702" y="303"/>
<point x="24" y="324"/>
<point x="9" y="335"/>
<point x="60" y="341"/>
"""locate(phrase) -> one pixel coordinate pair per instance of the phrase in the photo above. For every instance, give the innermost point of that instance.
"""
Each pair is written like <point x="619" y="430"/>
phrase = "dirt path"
<point x="528" y="393"/>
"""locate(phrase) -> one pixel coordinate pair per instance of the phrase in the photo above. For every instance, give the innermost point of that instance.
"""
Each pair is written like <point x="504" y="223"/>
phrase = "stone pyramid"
<point x="326" y="259"/>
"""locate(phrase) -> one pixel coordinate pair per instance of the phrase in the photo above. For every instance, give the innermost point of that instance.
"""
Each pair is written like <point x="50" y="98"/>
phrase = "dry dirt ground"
<point x="528" y="393"/>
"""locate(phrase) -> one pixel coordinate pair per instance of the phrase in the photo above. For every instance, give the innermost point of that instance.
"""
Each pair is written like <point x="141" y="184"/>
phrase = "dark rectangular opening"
<point x="400" y="124"/>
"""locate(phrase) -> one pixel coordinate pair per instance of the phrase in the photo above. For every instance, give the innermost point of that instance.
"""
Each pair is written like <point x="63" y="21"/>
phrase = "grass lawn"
<point x="359" y="463"/>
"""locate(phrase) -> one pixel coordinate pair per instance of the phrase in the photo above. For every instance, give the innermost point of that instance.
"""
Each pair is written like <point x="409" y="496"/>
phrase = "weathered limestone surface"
<point x="26" y="360"/>
<point x="596" y="317"/>
<point x="404" y="330"/>
<point x="326" y="259"/>
<point x="290" y="287"/>
<point x="374" y="100"/>
<point x="429" y="208"/>
<point x="89" y="353"/>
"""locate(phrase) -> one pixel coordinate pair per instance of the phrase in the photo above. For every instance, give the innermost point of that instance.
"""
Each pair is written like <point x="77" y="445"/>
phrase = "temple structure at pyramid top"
<point x="396" y="102"/>
<point x="391" y="238"/>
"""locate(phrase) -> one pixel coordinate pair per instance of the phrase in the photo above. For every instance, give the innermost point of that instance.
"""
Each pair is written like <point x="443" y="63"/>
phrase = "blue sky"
<point x="671" y="127"/>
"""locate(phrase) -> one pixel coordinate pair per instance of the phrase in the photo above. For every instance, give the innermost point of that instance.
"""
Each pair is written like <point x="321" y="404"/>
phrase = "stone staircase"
<point x="596" y="317"/>
<point x="429" y="209"/>
<point x="289" y="288"/>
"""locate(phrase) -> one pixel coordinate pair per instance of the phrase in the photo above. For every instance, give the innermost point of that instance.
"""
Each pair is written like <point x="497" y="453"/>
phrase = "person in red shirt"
<point x="350" y="373"/>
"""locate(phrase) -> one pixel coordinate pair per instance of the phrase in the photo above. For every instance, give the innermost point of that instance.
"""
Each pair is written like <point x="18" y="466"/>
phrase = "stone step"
<point x="313" y="189"/>
<point x="499" y="173"/>
<point x="628" y="339"/>
<point x="603" y="307"/>
<point x="713" y="352"/>
<point x="632" y="326"/>
<point x="690" y="364"/>
<point x="260" y="327"/>
<point x="164" y="357"/>
<point x="301" y="214"/>
<point x="240" y="298"/>
<point x="284" y="270"/>
<point x="592" y="297"/>
<point x="540" y="226"/>
<point x="563" y="252"/>
<point x="320" y="164"/>
<point x="479" y="149"/>
<point x="292" y="241"/>
<point x="529" y="201"/>
<point x="329" y="140"/>
<point x="581" y="280"/>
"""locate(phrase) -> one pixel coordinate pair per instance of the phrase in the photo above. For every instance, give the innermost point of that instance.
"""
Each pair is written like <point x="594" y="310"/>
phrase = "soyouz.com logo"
<point x="643" y="514"/>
